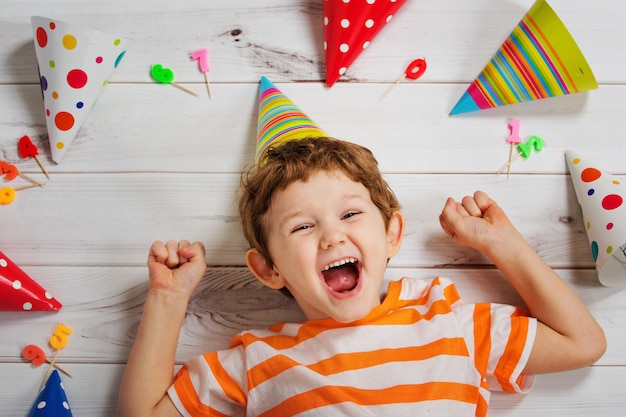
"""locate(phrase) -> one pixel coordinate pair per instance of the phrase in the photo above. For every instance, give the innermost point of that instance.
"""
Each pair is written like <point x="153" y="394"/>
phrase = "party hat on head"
<point x="280" y="119"/>
<point x="602" y="201"/>
<point x="349" y="27"/>
<point x="51" y="401"/>
<point x="20" y="292"/>
<point x="539" y="59"/>
<point x="74" y="64"/>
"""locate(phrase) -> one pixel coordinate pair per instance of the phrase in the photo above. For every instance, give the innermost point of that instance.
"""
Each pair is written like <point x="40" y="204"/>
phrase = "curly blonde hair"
<point x="297" y="160"/>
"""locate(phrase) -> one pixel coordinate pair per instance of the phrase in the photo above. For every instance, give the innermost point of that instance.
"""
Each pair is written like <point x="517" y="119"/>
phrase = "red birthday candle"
<point x="28" y="149"/>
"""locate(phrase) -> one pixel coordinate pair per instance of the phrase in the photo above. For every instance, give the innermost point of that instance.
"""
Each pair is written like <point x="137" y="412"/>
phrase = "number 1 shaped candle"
<point x="514" y="139"/>
<point x="202" y="55"/>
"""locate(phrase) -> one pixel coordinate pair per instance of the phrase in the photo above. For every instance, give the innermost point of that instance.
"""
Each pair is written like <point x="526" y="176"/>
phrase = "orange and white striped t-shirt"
<point x="421" y="352"/>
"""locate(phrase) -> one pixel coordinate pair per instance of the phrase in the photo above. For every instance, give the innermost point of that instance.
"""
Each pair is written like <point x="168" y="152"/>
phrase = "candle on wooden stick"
<point x="514" y="139"/>
<point x="166" y="76"/>
<point x="202" y="55"/>
<point x="27" y="149"/>
<point x="525" y="149"/>
<point x="416" y="69"/>
<point x="37" y="357"/>
<point x="57" y="341"/>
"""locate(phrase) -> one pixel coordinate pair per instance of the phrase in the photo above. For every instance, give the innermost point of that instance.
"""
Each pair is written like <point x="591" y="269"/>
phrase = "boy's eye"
<point x="301" y="227"/>
<point x="350" y="214"/>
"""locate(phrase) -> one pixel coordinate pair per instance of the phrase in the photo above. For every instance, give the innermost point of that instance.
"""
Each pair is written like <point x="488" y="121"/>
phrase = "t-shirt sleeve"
<point x="212" y="384"/>
<point x="501" y="340"/>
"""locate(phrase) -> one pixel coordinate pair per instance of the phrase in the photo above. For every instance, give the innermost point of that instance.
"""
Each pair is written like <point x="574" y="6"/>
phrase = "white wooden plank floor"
<point x="152" y="162"/>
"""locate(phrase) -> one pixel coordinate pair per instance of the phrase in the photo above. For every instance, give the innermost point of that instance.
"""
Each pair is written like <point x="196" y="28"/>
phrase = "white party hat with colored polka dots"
<point x="602" y="202"/>
<point x="19" y="292"/>
<point x="52" y="400"/>
<point x="75" y="63"/>
<point x="349" y="28"/>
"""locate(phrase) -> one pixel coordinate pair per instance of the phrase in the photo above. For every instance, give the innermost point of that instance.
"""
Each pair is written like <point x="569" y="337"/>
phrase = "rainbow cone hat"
<point x="280" y="119"/>
<point x="602" y="201"/>
<point x="540" y="59"/>
<point x="74" y="65"/>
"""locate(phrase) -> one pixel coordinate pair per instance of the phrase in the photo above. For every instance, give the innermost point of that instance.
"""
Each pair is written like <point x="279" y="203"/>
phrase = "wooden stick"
<point x="509" y="164"/>
<point x="25" y="187"/>
<point x="184" y="89"/>
<point x="45" y="377"/>
<point x="27" y="178"/>
<point x="390" y="89"/>
<point x="59" y="368"/>
<point x="208" y="85"/>
<point x="42" y="167"/>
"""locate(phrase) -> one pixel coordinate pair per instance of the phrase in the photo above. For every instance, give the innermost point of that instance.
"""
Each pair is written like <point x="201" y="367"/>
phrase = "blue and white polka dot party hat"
<point x="51" y="401"/>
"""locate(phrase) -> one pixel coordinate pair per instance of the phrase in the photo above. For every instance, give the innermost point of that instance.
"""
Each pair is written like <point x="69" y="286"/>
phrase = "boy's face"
<point x="330" y="246"/>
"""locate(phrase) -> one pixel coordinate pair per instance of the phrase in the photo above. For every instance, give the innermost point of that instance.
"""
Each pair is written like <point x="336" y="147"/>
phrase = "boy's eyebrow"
<point x="346" y="198"/>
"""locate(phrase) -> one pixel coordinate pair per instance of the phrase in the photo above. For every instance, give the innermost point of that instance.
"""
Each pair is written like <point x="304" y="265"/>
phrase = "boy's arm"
<point x="175" y="270"/>
<point x="568" y="337"/>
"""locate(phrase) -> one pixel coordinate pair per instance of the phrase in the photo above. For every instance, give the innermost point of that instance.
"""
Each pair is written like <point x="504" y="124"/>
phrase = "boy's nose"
<point x="332" y="237"/>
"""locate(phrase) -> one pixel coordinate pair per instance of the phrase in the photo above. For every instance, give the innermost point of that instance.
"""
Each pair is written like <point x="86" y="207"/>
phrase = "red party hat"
<point x="349" y="27"/>
<point x="20" y="292"/>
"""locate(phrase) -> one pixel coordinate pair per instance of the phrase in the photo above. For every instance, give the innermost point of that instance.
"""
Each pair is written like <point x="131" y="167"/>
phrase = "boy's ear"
<point x="395" y="232"/>
<point x="262" y="269"/>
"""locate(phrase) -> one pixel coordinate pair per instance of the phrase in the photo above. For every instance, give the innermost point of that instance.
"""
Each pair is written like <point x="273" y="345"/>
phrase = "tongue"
<point x="343" y="278"/>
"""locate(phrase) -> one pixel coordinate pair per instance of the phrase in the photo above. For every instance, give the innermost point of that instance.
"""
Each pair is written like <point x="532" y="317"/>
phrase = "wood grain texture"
<point x="152" y="162"/>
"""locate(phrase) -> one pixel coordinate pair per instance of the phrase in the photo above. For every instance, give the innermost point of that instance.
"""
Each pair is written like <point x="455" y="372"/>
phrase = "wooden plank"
<point x="111" y="219"/>
<point x="457" y="37"/>
<point x="103" y="306"/>
<point x="595" y="391"/>
<point x="134" y="128"/>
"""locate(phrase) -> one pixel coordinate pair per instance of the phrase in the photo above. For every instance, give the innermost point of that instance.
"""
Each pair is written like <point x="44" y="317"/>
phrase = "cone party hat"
<point x="539" y="59"/>
<point x="602" y="201"/>
<point x="349" y="27"/>
<point x="280" y="119"/>
<point x="74" y="64"/>
<point x="51" y="401"/>
<point x="19" y="292"/>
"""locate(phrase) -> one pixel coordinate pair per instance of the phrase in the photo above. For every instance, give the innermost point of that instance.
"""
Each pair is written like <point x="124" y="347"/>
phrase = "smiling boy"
<point x="323" y="223"/>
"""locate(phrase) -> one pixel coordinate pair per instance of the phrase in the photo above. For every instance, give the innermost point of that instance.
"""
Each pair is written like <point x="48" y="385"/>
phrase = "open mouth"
<point x="342" y="276"/>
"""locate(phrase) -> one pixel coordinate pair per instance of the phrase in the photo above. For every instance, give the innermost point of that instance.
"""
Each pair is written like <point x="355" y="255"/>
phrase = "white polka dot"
<point x="369" y="23"/>
<point x="346" y="1"/>
<point x="3" y="262"/>
<point x="48" y="295"/>
<point x="342" y="70"/>
<point x="366" y="44"/>
<point x="344" y="47"/>
<point x="325" y="45"/>
<point x="41" y="405"/>
<point x="325" y="20"/>
<point x="27" y="306"/>
<point x="345" y="23"/>
<point x="371" y="1"/>
<point x="17" y="284"/>
<point x="66" y="405"/>
<point x="389" y="18"/>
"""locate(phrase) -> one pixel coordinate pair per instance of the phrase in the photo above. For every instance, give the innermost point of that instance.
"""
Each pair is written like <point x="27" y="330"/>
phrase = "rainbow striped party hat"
<point x="280" y="119"/>
<point x="539" y="59"/>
